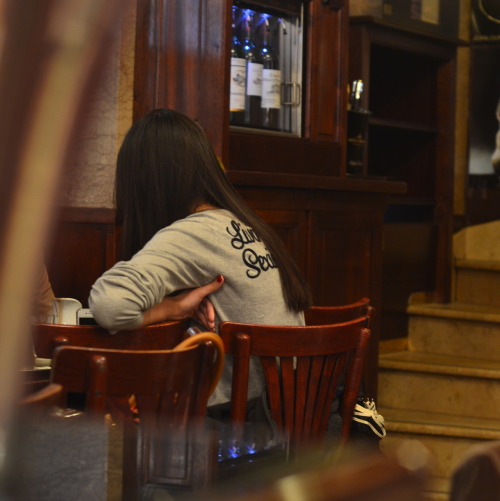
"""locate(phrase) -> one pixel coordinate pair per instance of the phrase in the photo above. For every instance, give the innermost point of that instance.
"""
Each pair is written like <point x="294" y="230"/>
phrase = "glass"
<point x="266" y="71"/>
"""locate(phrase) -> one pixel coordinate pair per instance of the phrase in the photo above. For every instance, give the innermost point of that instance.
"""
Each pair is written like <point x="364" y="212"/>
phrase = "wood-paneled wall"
<point x="84" y="246"/>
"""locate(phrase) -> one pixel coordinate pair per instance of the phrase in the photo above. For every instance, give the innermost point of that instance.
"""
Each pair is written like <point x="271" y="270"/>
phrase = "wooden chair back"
<point x="170" y="389"/>
<point x="164" y="336"/>
<point x="323" y="315"/>
<point x="302" y="367"/>
<point x="184" y="373"/>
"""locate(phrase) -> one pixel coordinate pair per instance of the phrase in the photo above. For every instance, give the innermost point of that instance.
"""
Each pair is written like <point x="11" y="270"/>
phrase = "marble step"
<point x="477" y="282"/>
<point x="464" y="329"/>
<point x="436" y="496"/>
<point x="446" y="437"/>
<point x="444" y="384"/>
<point x="480" y="242"/>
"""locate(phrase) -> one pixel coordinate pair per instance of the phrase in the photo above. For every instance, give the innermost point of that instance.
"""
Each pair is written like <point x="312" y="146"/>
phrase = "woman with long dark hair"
<point x="183" y="225"/>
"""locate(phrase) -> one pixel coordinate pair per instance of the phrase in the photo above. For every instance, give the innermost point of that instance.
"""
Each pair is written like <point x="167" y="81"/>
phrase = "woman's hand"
<point x="205" y="314"/>
<point x="192" y="303"/>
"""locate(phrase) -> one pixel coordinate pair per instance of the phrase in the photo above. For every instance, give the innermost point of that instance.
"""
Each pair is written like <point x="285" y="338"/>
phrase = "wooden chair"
<point x="164" y="336"/>
<point x="302" y="367"/>
<point x="166" y="446"/>
<point x="322" y="315"/>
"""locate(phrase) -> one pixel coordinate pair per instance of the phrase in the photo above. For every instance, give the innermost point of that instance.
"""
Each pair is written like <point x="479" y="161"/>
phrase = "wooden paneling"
<point x="342" y="269"/>
<point x="408" y="267"/>
<point x="266" y="153"/>
<point x="84" y="246"/>
<point x="291" y="226"/>
<point x="326" y="80"/>
<point x="183" y="48"/>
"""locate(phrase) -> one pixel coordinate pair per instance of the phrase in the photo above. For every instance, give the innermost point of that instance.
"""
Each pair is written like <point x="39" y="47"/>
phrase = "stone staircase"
<point x="444" y="388"/>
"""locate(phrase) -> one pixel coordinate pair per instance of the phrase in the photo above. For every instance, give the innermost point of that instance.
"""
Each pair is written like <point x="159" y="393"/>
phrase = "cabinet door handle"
<point x="293" y="93"/>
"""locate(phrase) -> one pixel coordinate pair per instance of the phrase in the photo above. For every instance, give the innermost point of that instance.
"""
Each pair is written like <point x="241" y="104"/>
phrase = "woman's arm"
<point x="180" y="257"/>
<point x="188" y="304"/>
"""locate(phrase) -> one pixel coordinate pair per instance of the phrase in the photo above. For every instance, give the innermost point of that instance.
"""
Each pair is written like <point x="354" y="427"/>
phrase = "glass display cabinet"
<point x="307" y="121"/>
<point x="208" y="59"/>
<point x="266" y="70"/>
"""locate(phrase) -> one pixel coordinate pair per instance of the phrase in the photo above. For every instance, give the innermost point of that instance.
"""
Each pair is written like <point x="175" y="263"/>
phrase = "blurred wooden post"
<point x="52" y="55"/>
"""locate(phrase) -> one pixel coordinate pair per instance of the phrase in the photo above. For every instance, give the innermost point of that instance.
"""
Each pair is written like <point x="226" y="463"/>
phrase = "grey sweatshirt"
<point x="190" y="253"/>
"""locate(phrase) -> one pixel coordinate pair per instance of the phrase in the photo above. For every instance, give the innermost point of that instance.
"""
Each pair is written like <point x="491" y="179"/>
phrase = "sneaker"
<point x="365" y="413"/>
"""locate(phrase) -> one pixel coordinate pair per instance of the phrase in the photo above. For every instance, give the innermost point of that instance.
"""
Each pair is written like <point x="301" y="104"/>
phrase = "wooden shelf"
<point x="409" y="79"/>
<point x="402" y="125"/>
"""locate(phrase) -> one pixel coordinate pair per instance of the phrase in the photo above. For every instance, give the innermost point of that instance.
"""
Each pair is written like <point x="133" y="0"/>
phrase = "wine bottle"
<point x="238" y="79"/>
<point x="253" y="90"/>
<point x="356" y="94"/>
<point x="271" y="81"/>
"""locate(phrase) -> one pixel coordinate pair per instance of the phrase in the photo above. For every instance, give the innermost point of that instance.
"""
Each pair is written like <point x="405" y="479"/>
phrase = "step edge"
<point x="436" y="310"/>
<point x="477" y="264"/>
<point x="442" y="430"/>
<point x="435" y="368"/>
<point x="440" y="419"/>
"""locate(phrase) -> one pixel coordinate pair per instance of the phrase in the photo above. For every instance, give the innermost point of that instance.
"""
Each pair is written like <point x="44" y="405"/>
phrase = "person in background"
<point x="185" y="227"/>
<point x="43" y="296"/>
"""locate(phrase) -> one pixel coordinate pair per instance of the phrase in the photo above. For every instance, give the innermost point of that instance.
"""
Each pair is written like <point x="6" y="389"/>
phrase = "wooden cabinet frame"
<point x="409" y="81"/>
<point x="184" y="47"/>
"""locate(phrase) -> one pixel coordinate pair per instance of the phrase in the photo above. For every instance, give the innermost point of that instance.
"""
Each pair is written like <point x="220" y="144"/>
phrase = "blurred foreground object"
<point x="401" y="476"/>
<point x="53" y="53"/>
<point x="165" y="444"/>
<point x="477" y="477"/>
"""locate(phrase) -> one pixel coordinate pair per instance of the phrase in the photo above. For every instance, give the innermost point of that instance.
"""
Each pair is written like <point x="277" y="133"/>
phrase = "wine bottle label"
<point x="237" y="90"/>
<point x="271" y="89"/>
<point x="254" y="79"/>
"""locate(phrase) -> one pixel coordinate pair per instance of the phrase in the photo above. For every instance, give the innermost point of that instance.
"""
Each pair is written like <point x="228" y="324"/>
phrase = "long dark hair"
<point x="165" y="168"/>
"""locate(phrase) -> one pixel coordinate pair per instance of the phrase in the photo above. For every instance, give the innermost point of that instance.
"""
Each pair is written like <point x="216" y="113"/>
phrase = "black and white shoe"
<point x="366" y="416"/>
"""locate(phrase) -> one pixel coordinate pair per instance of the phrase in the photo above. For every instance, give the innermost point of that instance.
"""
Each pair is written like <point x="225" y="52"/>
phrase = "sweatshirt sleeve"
<point x="176" y="258"/>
